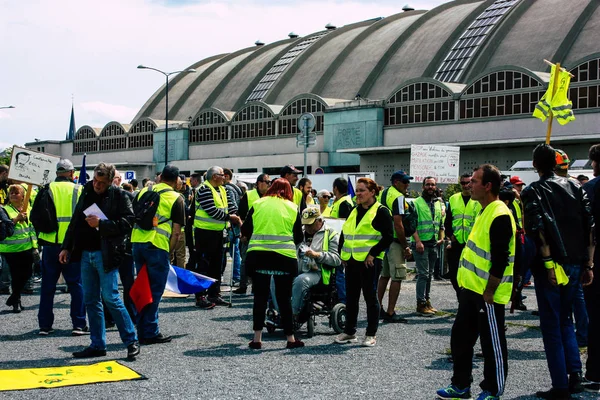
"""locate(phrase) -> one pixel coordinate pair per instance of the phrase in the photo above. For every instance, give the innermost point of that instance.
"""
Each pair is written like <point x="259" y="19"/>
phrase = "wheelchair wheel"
<point x="337" y="318"/>
<point x="310" y="327"/>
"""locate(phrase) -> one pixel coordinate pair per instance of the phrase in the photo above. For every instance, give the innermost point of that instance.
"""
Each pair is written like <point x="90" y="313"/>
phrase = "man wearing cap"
<point x="394" y="263"/>
<point x="152" y="248"/>
<point x="290" y="173"/>
<point x="214" y="208"/>
<point x="63" y="194"/>
<point x="317" y="256"/>
<point x="460" y="217"/>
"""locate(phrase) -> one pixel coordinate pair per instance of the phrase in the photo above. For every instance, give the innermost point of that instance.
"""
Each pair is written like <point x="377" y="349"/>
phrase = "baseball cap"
<point x="400" y="175"/>
<point x="310" y="215"/>
<point x="515" y="180"/>
<point x="64" y="165"/>
<point x="289" y="169"/>
<point x="562" y="159"/>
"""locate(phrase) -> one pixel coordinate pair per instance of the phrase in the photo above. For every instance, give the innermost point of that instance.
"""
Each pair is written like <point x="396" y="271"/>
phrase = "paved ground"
<point x="209" y="357"/>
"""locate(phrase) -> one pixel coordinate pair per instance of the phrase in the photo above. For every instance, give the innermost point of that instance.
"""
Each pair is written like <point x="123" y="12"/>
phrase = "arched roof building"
<point x="468" y="73"/>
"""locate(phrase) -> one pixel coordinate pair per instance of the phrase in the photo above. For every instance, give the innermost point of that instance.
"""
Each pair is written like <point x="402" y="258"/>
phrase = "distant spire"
<point x="72" y="129"/>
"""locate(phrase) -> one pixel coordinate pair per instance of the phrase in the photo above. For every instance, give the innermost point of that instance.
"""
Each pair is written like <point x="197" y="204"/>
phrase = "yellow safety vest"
<point x="273" y="222"/>
<point x="392" y="195"/>
<point x="476" y="259"/>
<point x="326" y="272"/>
<point x="463" y="217"/>
<point x="335" y="209"/>
<point x="24" y="236"/>
<point x="359" y="240"/>
<point x="557" y="102"/>
<point x="159" y="235"/>
<point x="204" y="221"/>
<point x="252" y="196"/>
<point x="297" y="196"/>
<point x="428" y="227"/>
<point x="3" y="196"/>
<point x="64" y="195"/>
<point x="519" y="212"/>
<point x="327" y="212"/>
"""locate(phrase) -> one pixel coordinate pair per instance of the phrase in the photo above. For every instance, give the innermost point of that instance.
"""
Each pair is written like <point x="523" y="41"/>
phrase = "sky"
<point x="85" y="52"/>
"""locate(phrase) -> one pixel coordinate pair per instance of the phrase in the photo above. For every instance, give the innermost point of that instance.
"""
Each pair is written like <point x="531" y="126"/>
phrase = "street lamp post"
<point x="167" y="75"/>
<point x="7" y="107"/>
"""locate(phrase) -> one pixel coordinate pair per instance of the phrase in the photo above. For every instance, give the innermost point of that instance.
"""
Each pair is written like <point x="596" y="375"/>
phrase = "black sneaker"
<point x="295" y="344"/>
<point x="575" y="383"/>
<point x="80" y="331"/>
<point x="394" y="318"/>
<point x="133" y="349"/>
<point x="219" y="301"/>
<point x="382" y="313"/>
<point x="204" y="303"/>
<point x="591" y="387"/>
<point x="45" y="331"/>
<point x="158" y="339"/>
<point x="554" y="394"/>
<point x="240" y="290"/>
<point x="89" y="352"/>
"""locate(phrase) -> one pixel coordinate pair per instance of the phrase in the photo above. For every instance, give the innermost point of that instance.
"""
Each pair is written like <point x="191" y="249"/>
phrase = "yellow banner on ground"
<point x="38" y="378"/>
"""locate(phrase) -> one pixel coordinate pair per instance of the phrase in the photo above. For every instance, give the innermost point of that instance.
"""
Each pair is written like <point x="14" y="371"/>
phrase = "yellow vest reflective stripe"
<point x="326" y="272"/>
<point x="476" y="260"/>
<point x="428" y="227"/>
<point x="202" y="220"/>
<point x="64" y="195"/>
<point x="392" y="195"/>
<point x="359" y="240"/>
<point x="273" y="222"/>
<point x="463" y="217"/>
<point x="24" y="236"/>
<point x="297" y="196"/>
<point x="335" y="209"/>
<point x="252" y="196"/>
<point x="159" y="235"/>
<point x="561" y="105"/>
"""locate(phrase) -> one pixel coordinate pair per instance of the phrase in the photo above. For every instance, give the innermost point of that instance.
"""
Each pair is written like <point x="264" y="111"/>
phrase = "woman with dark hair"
<point x="366" y="234"/>
<point x="274" y="229"/>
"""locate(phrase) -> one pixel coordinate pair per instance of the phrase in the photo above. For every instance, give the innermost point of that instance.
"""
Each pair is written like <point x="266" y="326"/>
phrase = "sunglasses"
<point x="326" y="197"/>
<point x="267" y="182"/>
<point x="465" y="183"/>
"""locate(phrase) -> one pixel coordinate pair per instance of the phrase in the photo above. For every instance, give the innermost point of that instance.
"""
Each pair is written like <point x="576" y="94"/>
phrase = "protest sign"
<point x="32" y="167"/>
<point x="440" y="162"/>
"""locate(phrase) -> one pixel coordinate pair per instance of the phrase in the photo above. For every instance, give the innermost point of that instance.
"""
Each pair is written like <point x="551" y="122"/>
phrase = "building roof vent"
<point x="292" y="35"/>
<point x="407" y="8"/>
<point x="259" y="43"/>
<point x="330" y="26"/>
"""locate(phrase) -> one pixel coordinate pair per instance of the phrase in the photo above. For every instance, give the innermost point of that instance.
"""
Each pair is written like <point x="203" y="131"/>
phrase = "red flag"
<point x="140" y="290"/>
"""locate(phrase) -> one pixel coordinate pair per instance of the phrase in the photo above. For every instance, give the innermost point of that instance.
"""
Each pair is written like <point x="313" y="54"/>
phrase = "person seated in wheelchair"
<point x="318" y="256"/>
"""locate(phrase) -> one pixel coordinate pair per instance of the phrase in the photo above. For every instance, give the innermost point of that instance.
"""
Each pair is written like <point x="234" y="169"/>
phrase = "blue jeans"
<point x="99" y="285"/>
<point x="581" y="317"/>
<point x="51" y="270"/>
<point x="340" y="283"/>
<point x="234" y="252"/>
<point x="425" y="264"/>
<point x="157" y="264"/>
<point x="555" y="305"/>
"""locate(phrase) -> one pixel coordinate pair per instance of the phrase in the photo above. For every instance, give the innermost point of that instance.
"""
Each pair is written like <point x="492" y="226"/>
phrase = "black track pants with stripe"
<point x="476" y="318"/>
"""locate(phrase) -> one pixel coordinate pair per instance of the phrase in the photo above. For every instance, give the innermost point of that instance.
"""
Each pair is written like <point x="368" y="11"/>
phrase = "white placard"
<point x="32" y="167"/>
<point x="441" y="162"/>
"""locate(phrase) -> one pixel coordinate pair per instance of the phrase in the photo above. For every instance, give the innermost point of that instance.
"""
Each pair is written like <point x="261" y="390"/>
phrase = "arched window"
<point x="141" y="134"/>
<point x="253" y="121"/>
<point x="288" y="119"/>
<point x="421" y="102"/>
<point x="501" y="93"/>
<point x="208" y="126"/>
<point x="113" y="137"/>
<point x="584" y="91"/>
<point x="86" y="140"/>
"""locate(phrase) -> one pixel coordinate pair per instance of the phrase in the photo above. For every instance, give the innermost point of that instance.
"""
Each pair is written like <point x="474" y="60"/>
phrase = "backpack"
<point x="145" y="208"/>
<point x="7" y="227"/>
<point x="43" y="212"/>
<point x="410" y="219"/>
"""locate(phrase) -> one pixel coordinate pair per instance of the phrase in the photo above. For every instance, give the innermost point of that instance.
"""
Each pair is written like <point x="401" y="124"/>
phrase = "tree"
<point x="5" y="156"/>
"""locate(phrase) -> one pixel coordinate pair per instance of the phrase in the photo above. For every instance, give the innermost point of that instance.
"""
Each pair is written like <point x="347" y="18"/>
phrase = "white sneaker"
<point x="369" y="341"/>
<point x="343" y="338"/>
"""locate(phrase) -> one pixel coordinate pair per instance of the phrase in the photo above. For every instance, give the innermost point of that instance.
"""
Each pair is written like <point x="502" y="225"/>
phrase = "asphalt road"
<point x="209" y="357"/>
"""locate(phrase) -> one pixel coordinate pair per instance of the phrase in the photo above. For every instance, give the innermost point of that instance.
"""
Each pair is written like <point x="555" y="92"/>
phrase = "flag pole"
<point x="554" y="88"/>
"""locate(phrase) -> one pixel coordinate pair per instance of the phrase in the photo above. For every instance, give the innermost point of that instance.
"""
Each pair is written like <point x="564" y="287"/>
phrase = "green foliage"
<point x="452" y="189"/>
<point x="5" y="156"/>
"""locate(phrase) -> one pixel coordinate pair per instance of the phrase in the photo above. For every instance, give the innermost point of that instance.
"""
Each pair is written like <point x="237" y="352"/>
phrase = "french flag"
<point x="179" y="281"/>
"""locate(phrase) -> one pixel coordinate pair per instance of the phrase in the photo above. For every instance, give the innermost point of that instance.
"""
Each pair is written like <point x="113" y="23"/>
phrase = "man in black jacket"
<point x="558" y="218"/>
<point x="97" y="235"/>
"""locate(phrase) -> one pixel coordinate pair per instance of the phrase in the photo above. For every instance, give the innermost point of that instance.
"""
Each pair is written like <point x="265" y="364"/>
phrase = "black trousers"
<point x="453" y="260"/>
<point x="359" y="277"/>
<point x="209" y="256"/>
<point x="261" y="284"/>
<point x="475" y="318"/>
<point x="189" y="241"/>
<point x="20" y="265"/>
<point x="243" y="272"/>
<point x="592" y="302"/>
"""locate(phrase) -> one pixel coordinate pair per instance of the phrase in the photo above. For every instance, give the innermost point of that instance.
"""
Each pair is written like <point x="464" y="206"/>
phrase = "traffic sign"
<point x="306" y="123"/>
<point x="129" y="175"/>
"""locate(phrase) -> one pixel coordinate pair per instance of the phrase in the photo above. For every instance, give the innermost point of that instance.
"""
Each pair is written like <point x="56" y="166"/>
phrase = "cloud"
<point x="100" y="111"/>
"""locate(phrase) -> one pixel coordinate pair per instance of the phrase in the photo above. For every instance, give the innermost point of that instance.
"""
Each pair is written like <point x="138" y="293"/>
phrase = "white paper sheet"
<point x="94" y="210"/>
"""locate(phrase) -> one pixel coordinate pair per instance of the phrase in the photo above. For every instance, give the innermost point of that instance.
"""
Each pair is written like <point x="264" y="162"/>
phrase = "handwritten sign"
<point x="441" y="162"/>
<point x="32" y="167"/>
